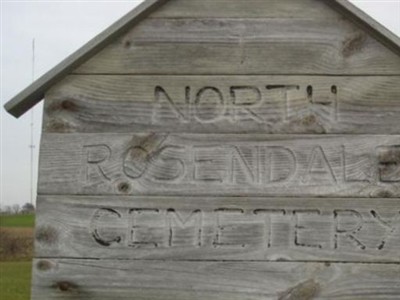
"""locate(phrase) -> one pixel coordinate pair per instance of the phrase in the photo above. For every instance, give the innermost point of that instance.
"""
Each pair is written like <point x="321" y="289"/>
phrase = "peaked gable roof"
<point x="35" y="92"/>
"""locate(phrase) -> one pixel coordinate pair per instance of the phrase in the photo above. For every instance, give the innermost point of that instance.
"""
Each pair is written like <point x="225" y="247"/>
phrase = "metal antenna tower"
<point x="32" y="145"/>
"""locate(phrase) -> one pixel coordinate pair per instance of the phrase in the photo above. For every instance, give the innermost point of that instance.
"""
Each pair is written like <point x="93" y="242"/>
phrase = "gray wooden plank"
<point x="218" y="104"/>
<point x="362" y="19"/>
<point x="300" y="9"/>
<point x="220" y="164"/>
<point x="241" y="30"/>
<point x="305" y="9"/>
<point x="218" y="228"/>
<point x="244" y="46"/>
<point x="145" y="280"/>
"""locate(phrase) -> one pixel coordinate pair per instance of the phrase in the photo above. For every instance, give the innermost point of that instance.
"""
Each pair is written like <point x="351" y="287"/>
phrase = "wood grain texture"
<point x="305" y="9"/>
<point x="158" y="179"/>
<point x="244" y="30"/>
<point x="225" y="164"/>
<point x="244" y="46"/>
<point x="359" y="17"/>
<point x="215" y="228"/>
<point x="145" y="280"/>
<point x="219" y="104"/>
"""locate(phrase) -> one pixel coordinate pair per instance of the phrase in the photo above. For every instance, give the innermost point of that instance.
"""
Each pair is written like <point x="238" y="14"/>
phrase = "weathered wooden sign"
<point x="225" y="104"/>
<point x="219" y="228"/>
<point x="222" y="149"/>
<point x="210" y="164"/>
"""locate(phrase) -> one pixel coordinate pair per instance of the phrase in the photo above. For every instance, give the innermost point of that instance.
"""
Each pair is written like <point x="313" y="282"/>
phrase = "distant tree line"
<point x="16" y="209"/>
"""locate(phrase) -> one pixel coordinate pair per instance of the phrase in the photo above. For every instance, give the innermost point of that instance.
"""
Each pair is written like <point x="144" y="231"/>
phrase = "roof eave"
<point x="377" y="30"/>
<point x="35" y="92"/>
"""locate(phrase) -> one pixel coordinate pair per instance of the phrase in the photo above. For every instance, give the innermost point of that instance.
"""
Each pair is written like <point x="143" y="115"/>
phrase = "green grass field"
<point x="15" y="280"/>
<point x="15" y="276"/>
<point x="17" y="220"/>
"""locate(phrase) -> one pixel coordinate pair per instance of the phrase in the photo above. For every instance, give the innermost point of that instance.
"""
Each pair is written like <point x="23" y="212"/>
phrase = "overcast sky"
<point x="60" y="28"/>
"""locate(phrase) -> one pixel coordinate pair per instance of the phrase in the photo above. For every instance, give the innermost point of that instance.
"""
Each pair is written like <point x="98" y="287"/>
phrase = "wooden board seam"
<point x="224" y="260"/>
<point x="236" y="74"/>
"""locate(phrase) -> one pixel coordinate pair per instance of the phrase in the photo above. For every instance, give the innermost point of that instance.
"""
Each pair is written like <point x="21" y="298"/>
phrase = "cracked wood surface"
<point x="220" y="164"/>
<point x="158" y="280"/>
<point x="244" y="46"/>
<point x="203" y="153"/>
<point x="218" y="104"/>
<point x="290" y="9"/>
<point x="218" y="228"/>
